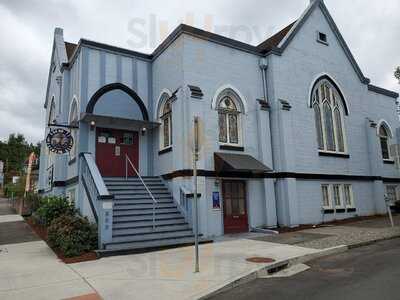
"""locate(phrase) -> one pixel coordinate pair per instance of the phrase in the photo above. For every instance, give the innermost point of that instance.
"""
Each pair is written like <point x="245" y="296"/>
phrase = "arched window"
<point x="73" y="121"/>
<point x="229" y="118"/>
<point x="328" y="110"/>
<point x="52" y="112"/>
<point x="384" y="137"/>
<point x="166" y="121"/>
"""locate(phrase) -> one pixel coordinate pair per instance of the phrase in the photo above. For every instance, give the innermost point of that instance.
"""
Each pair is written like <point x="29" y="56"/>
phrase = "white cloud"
<point x="370" y="28"/>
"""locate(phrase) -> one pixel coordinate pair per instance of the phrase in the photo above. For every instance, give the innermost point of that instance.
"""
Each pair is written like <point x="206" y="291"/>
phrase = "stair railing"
<point x="128" y="161"/>
<point x="100" y="200"/>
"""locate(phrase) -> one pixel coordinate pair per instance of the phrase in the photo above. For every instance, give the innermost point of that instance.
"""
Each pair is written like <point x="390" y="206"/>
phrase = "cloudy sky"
<point x="372" y="30"/>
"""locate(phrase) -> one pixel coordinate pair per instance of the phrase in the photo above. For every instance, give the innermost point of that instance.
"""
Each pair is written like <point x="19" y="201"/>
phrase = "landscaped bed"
<point x="72" y="237"/>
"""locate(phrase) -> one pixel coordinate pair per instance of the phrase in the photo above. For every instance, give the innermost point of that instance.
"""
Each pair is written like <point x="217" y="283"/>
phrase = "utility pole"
<point x="196" y="218"/>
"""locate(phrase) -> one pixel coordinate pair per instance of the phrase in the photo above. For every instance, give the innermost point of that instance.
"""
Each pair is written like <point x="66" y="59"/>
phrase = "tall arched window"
<point x="166" y="121"/>
<point x="384" y="137"/>
<point x="230" y="108"/>
<point x="52" y="112"/>
<point x="328" y="110"/>
<point x="73" y="121"/>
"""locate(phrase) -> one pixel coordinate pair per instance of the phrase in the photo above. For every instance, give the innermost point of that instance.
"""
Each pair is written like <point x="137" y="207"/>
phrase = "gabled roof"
<point x="276" y="44"/>
<point x="275" y="40"/>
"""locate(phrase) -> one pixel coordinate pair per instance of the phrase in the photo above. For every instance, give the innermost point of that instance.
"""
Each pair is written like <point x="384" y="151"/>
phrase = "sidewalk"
<point x="30" y="270"/>
<point x="352" y="234"/>
<point x="169" y="274"/>
<point x="28" y="267"/>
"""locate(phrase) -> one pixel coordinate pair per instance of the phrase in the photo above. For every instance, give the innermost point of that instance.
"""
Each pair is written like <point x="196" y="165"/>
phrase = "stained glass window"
<point x="384" y="138"/>
<point x="228" y="120"/>
<point x="166" y="121"/>
<point x="328" y="111"/>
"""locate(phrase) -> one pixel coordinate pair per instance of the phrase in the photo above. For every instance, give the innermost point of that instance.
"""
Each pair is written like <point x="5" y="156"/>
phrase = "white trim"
<point x="383" y="122"/>
<point x="351" y="196"/>
<point x="321" y="103"/>
<point x="159" y="104"/>
<point x="329" y="197"/>
<point x="74" y="99"/>
<point x="316" y="79"/>
<point x="50" y="110"/>
<point x="214" y="104"/>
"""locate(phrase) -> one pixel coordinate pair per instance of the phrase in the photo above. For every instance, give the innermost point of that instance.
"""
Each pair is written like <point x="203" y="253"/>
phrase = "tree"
<point x="397" y="73"/>
<point x="14" y="152"/>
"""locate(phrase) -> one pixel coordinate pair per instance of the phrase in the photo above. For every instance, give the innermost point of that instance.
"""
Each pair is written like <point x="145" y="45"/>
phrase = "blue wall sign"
<point x="216" y="200"/>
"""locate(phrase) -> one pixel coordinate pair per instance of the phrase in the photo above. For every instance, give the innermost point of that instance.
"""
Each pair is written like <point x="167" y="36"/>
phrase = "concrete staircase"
<point x="133" y="216"/>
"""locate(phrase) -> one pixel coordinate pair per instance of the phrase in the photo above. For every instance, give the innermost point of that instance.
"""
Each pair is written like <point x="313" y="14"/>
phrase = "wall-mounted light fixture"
<point x="92" y="125"/>
<point x="144" y="130"/>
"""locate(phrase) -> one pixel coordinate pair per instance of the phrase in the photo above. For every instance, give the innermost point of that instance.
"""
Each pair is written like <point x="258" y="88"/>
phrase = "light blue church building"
<point x="291" y="132"/>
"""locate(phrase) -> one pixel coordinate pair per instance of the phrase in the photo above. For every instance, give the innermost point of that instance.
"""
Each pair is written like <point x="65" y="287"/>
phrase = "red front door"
<point x="112" y="146"/>
<point x="235" y="210"/>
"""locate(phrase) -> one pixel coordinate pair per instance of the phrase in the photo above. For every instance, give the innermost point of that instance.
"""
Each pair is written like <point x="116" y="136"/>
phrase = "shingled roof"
<point x="275" y="40"/>
<point x="70" y="48"/>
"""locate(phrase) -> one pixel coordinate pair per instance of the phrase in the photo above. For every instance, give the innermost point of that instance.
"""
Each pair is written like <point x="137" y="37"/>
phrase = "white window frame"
<point x="339" y="104"/>
<point x="164" y="98"/>
<point x="239" y="106"/>
<point x="352" y="205"/>
<point x="328" y="187"/>
<point x="396" y="187"/>
<point x="341" y="196"/>
<point x="388" y="138"/>
<point x="331" y="196"/>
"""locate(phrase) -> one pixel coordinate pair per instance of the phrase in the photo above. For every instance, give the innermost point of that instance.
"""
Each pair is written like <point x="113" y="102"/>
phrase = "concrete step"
<point x="144" y="212"/>
<point x="152" y="236"/>
<point x="132" y="179"/>
<point x="137" y="189"/>
<point x="141" y="196"/>
<point x="184" y="240"/>
<point x="134" y="184"/>
<point x="140" y="193"/>
<point x="148" y="223"/>
<point x="120" y="219"/>
<point x="150" y="229"/>
<point x="135" y="206"/>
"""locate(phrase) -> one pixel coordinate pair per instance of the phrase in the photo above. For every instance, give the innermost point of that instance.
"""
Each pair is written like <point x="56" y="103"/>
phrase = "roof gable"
<point x="299" y="24"/>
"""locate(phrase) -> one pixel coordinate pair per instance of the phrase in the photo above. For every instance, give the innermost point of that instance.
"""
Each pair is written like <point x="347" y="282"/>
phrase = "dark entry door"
<point x="112" y="146"/>
<point x="235" y="210"/>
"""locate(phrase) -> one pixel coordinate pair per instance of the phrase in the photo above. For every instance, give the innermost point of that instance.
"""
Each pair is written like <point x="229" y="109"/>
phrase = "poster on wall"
<point x="216" y="200"/>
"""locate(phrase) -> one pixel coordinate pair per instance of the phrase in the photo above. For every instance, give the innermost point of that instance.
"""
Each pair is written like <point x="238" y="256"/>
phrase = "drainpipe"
<point x="264" y="67"/>
<point x="263" y="64"/>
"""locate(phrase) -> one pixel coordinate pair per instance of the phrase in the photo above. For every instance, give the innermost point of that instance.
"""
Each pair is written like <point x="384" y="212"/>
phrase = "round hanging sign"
<point x="59" y="141"/>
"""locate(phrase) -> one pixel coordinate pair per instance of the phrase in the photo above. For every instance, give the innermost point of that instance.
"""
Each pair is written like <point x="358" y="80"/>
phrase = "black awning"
<point x="240" y="163"/>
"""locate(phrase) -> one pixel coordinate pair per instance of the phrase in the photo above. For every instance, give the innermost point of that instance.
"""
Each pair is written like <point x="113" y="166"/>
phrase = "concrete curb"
<point x="262" y="271"/>
<point x="367" y="243"/>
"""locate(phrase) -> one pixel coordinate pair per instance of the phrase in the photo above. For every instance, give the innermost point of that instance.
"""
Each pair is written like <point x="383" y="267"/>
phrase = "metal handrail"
<point x="127" y="160"/>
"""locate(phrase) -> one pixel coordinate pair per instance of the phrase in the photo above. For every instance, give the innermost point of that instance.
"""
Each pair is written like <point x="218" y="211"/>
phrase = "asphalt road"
<point x="370" y="272"/>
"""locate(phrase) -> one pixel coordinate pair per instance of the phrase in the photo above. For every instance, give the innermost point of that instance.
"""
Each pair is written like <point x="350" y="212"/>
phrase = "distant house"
<point x="292" y="132"/>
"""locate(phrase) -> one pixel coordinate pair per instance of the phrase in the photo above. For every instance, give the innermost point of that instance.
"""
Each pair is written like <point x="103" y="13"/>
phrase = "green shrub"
<point x="73" y="235"/>
<point x="50" y="208"/>
<point x="16" y="190"/>
<point x="33" y="200"/>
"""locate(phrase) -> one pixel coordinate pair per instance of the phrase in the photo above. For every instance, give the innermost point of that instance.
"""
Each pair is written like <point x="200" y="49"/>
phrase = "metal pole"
<point x="196" y="218"/>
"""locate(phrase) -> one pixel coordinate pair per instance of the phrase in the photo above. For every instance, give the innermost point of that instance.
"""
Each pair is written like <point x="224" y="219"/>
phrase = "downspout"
<point x="264" y="67"/>
<point x="263" y="63"/>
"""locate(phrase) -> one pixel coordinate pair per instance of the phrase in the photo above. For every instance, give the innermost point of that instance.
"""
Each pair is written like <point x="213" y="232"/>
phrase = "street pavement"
<point x="29" y="269"/>
<point x="367" y="273"/>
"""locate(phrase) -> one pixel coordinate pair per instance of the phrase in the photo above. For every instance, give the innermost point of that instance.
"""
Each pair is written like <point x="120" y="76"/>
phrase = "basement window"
<point x="322" y="38"/>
